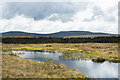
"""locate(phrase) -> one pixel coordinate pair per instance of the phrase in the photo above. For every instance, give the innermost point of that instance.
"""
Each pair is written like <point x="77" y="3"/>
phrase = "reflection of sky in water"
<point x="89" y="68"/>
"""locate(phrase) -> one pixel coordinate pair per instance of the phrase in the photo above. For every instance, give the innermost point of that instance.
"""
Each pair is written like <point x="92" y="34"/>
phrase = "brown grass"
<point x="16" y="67"/>
<point x="109" y="51"/>
<point x="108" y="48"/>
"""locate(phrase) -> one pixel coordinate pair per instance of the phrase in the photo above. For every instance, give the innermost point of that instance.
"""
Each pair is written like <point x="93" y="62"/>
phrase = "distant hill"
<point x="57" y="34"/>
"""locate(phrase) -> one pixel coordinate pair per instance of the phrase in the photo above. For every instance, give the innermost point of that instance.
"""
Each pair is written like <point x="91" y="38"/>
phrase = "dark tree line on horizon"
<point x="37" y="40"/>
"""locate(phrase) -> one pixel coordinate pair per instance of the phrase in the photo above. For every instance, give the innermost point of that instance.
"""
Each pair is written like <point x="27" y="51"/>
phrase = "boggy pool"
<point x="87" y="67"/>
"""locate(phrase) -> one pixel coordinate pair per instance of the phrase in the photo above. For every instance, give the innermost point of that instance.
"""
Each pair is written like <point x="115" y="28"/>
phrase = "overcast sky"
<point x="50" y="17"/>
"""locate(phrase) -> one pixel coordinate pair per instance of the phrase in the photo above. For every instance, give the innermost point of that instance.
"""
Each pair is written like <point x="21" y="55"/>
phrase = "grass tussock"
<point x="96" y="51"/>
<point x="16" y="67"/>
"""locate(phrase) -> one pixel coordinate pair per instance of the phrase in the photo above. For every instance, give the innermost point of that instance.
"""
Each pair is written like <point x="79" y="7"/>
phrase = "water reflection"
<point x="87" y="67"/>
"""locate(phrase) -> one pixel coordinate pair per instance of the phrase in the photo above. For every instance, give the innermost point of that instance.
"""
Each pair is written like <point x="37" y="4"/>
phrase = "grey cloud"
<point x="40" y="10"/>
<point x="97" y="11"/>
<point x="111" y="19"/>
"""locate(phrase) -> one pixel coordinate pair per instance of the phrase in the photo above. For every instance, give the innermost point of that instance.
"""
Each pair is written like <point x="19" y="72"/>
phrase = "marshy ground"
<point x="96" y="51"/>
<point x="16" y="67"/>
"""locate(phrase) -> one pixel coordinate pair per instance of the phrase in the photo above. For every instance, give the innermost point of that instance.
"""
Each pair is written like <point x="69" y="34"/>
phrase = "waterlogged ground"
<point x="98" y="52"/>
<point x="16" y="67"/>
<point x="95" y="60"/>
<point x="87" y="67"/>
